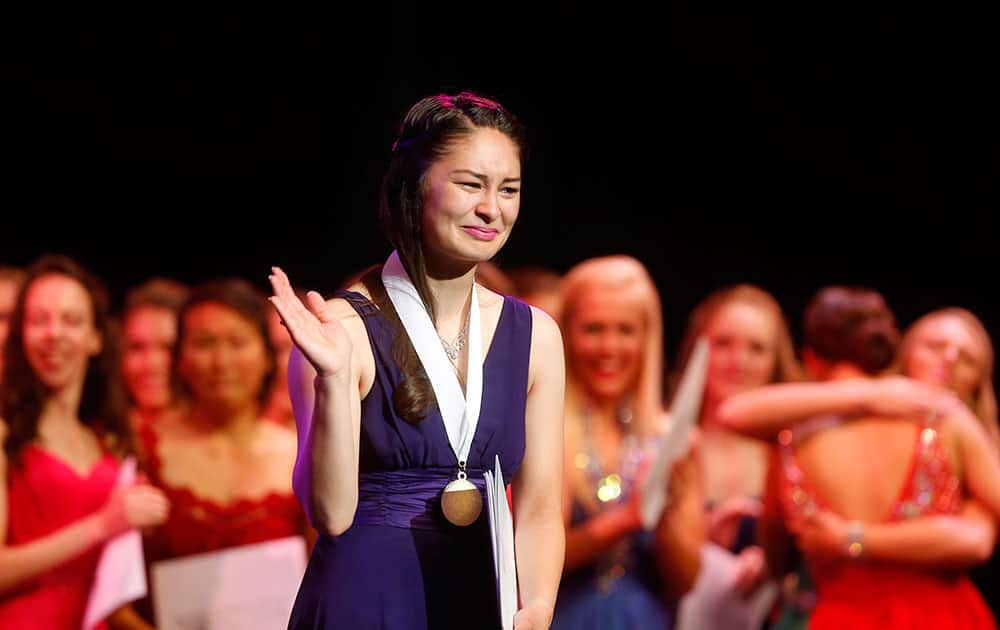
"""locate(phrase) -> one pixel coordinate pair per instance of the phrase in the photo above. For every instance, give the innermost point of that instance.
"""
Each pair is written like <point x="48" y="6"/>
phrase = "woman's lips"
<point x="481" y="234"/>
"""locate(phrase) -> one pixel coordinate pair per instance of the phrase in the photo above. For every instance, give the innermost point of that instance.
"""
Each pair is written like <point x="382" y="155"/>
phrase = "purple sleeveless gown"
<point x="401" y="565"/>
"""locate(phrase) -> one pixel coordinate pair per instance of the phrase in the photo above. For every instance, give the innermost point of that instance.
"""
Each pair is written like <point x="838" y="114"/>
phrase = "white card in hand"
<point x="715" y="602"/>
<point x="502" y="538"/>
<point x="121" y="572"/>
<point x="672" y="445"/>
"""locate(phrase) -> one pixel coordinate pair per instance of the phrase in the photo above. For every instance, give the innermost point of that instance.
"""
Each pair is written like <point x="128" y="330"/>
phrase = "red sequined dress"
<point x="861" y="594"/>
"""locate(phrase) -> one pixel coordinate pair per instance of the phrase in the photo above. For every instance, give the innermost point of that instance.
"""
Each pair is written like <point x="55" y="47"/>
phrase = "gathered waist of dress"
<point x="407" y="498"/>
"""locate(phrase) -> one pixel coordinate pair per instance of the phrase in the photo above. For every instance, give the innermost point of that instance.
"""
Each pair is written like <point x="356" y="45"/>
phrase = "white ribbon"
<point x="460" y="413"/>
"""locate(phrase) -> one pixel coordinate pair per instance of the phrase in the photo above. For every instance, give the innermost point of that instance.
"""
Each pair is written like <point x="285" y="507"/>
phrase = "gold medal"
<point x="461" y="501"/>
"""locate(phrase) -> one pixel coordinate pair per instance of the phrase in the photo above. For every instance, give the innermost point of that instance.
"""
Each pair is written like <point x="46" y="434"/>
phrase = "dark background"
<point x="716" y="144"/>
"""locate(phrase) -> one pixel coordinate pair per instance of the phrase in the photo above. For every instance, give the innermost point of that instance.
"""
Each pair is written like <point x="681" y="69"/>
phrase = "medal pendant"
<point x="461" y="502"/>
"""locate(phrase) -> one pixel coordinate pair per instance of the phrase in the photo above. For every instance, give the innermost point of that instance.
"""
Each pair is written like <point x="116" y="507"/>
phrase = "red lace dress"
<point x="198" y="525"/>
<point x="869" y="594"/>
<point x="44" y="495"/>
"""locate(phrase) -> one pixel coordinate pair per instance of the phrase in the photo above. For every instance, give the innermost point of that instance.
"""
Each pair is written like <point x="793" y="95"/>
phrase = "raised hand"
<point x="320" y="336"/>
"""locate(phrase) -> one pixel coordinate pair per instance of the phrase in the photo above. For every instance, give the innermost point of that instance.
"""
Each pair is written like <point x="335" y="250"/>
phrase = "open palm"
<point x="317" y="333"/>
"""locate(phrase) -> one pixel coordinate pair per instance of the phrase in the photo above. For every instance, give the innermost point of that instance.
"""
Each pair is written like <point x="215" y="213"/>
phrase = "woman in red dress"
<point x="227" y="472"/>
<point x="875" y="470"/>
<point x="64" y="432"/>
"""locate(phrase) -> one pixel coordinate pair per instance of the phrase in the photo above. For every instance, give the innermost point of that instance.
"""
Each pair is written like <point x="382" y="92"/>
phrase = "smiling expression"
<point x="605" y="340"/>
<point x="59" y="333"/>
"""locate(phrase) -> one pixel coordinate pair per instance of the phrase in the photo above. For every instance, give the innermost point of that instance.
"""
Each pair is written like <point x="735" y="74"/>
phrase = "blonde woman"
<point x="616" y="575"/>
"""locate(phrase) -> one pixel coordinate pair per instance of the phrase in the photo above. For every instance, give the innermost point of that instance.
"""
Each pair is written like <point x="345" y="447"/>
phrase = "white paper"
<point x="502" y="539"/>
<point x="673" y="445"/>
<point x="713" y="603"/>
<point x="251" y="587"/>
<point x="121" y="572"/>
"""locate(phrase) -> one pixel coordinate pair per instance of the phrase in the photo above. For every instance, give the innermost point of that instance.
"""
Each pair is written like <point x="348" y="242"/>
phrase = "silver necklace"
<point x="452" y="349"/>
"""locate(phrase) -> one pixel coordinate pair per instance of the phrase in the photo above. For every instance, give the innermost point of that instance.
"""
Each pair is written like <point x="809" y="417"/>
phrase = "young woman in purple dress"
<point x="415" y="379"/>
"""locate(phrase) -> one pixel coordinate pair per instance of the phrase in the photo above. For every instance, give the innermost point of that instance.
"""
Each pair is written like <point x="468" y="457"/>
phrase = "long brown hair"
<point x="102" y="403"/>
<point x="428" y="132"/>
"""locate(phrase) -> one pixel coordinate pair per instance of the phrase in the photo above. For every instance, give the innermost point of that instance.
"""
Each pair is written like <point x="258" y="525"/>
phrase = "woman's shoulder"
<point x="542" y="323"/>
<point x="546" y="338"/>
<point x="348" y="309"/>
<point x="957" y="426"/>
<point x="341" y="302"/>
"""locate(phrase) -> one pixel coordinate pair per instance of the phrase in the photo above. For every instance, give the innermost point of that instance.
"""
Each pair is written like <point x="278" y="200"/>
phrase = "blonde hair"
<point x="786" y="366"/>
<point x="622" y="278"/>
<point x="984" y="400"/>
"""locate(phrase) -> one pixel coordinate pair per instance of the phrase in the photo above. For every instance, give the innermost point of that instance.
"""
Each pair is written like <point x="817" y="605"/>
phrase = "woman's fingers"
<point x="318" y="306"/>
<point x="293" y="313"/>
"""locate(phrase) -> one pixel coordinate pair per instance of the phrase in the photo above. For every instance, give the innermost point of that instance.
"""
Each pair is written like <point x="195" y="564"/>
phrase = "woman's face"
<point x="223" y="357"/>
<point x="59" y="332"/>
<point x="605" y="339"/>
<point x="943" y="351"/>
<point x="743" y="342"/>
<point x="150" y="333"/>
<point x="472" y="196"/>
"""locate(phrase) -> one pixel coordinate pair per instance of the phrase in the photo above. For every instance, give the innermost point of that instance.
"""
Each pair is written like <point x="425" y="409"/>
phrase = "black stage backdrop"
<point x="717" y="143"/>
<point x="790" y="149"/>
